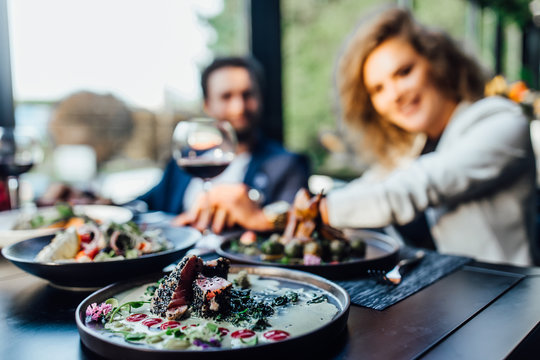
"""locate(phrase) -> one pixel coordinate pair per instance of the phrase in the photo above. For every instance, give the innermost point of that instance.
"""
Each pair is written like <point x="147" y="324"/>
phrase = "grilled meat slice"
<point x="304" y="230"/>
<point x="211" y="295"/>
<point x="330" y="233"/>
<point x="217" y="267"/>
<point x="305" y="206"/>
<point x="303" y="217"/>
<point x="175" y="293"/>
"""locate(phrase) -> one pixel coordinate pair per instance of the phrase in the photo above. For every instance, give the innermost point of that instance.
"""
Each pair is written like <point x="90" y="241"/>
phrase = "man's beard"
<point x="245" y="135"/>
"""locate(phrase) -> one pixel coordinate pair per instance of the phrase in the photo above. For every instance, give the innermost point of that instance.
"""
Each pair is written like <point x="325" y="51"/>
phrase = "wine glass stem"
<point x="13" y="188"/>
<point x="207" y="185"/>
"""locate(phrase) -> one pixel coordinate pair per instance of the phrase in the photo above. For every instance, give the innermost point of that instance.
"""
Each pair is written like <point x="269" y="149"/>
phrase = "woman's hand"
<point x="230" y="205"/>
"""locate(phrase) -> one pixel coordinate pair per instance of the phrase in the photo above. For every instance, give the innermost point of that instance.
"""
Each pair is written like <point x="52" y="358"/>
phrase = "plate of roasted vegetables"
<point x="93" y="254"/>
<point x="16" y="225"/>
<point x="209" y="308"/>
<point x="308" y="244"/>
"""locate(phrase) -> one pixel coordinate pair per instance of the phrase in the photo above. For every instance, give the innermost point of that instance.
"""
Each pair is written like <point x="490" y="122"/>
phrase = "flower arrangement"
<point x="517" y="91"/>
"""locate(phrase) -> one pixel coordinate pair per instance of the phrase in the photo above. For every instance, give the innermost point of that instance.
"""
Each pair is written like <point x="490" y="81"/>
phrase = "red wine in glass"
<point x="203" y="168"/>
<point x="13" y="169"/>
<point x="204" y="147"/>
<point x="19" y="151"/>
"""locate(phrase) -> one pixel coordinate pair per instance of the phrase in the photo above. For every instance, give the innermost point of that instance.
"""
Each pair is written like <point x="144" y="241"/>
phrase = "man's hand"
<point x="224" y="206"/>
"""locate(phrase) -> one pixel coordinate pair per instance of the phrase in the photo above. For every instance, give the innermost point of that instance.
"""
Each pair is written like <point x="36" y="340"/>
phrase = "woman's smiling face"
<point x="402" y="91"/>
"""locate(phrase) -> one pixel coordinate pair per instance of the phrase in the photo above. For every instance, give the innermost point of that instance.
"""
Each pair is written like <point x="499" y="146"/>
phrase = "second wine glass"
<point x="19" y="152"/>
<point x="204" y="147"/>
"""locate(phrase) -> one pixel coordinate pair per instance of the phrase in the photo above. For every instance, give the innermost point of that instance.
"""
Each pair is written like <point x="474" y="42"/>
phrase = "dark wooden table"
<point x="482" y="311"/>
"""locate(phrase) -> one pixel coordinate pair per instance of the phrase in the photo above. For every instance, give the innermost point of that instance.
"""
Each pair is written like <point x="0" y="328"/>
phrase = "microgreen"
<point x="151" y="289"/>
<point x="128" y="305"/>
<point x="317" y="299"/>
<point x="289" y="297"/>
<point x="130" y="336"/>
<point x="244" y="308"/>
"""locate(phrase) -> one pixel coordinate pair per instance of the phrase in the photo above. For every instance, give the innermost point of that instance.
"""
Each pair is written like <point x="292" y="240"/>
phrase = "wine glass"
<point x="19" y="151"/>
<point x="204" y="147"/>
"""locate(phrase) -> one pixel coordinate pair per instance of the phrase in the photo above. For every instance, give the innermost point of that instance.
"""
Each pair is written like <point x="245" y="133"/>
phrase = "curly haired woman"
<point x="475" y="179"/>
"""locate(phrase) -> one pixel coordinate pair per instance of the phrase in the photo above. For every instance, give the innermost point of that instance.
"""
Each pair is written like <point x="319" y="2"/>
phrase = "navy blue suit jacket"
<point x="275" y="172"/>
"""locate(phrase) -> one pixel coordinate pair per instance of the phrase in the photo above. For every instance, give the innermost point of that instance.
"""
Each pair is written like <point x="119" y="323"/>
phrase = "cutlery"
<point x="394" y="276"/>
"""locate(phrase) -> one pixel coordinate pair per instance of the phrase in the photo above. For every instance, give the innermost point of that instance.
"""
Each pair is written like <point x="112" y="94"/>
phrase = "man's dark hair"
<point x="248" y="63"/>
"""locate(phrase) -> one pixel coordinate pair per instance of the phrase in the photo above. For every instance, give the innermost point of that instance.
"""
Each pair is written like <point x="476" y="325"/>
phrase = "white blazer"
<point x="477" y="188"/>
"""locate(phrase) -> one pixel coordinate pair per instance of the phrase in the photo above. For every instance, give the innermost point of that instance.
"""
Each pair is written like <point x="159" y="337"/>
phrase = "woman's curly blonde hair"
<point x="453" y="71"/>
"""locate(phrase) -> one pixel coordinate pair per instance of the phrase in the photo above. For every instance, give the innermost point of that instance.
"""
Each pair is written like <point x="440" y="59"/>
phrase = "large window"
<point x="114" y="76"/>
<point x="147" y="54"/>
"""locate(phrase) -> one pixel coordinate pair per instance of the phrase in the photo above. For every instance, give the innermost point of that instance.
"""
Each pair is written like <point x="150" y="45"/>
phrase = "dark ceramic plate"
<point x="381" y="253"/>
<point x="98" y="274"/>
<point x="116" y="348"/>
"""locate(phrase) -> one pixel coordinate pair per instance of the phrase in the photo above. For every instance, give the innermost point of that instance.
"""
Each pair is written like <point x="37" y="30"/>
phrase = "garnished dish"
<point x="305" y="240"/>
<point x="307" y="243"/>
<point x="319" y="250"/>
<point x="59" y="216"/>
<point x="90" y="241"/>
<point x="20" y="224"/>
<point x="78" y="258"/>
<point x="200" y="306"/>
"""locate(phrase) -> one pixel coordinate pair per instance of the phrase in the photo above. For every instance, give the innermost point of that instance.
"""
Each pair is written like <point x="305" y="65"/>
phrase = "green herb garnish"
<point x="260" y="324"/>
<point x="317" y="299"/>
<point x="128" y="305"/>
<point x="245" y="309"/>
<point x="289" y="297"/>
<point x="65" y="211"/>
<point x="37" y="221"/>
<point x="151" y="289"/>
<point x="135" y="336"/>
<point x="130" y="336"/>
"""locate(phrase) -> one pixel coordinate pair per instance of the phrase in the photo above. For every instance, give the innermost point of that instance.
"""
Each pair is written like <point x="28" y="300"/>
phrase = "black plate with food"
<point x="374" y="251"/>
<point x="16" y="225"/>
<point x="96" y="274"/>
<point x="120" y="321"/>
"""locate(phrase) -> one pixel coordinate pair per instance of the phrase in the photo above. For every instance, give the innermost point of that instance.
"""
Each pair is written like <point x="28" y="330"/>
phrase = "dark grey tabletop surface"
<point x="482" y="311"/>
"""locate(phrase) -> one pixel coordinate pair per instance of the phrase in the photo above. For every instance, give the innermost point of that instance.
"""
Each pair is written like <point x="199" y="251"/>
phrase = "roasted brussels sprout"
<point x="294" y="249"/>
<point x="270" y="247"/>
<point x="274" y="237"/>
<point x="251" y="250"/>
<point x="326" y="252"/>
<point x="358" y="247"/>
<point x="338" y="249"/>
<point x="312" y="248"/>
